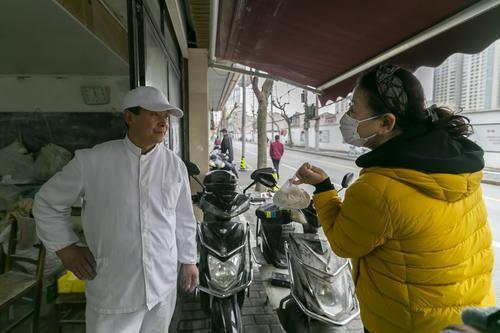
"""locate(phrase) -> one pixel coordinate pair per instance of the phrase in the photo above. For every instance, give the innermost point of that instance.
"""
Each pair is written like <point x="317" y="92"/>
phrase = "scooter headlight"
<point x="223" y="273"/>
<point x="335" y="296"/>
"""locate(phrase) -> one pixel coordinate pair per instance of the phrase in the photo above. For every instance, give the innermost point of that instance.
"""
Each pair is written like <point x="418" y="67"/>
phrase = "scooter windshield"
<point x="225" y="205"/>
<point x="321" y="281"/>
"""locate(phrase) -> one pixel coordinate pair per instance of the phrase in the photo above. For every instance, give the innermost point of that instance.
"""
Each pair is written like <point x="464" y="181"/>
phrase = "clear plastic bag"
<point x="9" y="195"/>
<point x="291" y="196"/>
<point x="16" y="165"/>
<point x="52" y="158"/>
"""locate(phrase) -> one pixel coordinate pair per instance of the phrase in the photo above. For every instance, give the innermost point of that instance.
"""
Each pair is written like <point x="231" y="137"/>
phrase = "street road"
<point x="336" y="168"/>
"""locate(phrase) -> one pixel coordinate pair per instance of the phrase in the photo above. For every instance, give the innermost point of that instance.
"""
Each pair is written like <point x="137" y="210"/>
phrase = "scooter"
<point x="322" y="292"/>
<point x="225" y="264"/>
<point x="219" y="161"/>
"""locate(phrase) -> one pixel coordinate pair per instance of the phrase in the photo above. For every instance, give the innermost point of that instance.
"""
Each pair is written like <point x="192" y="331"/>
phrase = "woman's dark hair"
<point x="412" y="115"/>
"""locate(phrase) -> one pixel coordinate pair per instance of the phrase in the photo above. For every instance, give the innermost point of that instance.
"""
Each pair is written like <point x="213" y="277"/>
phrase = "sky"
<point x="288" y="93"/>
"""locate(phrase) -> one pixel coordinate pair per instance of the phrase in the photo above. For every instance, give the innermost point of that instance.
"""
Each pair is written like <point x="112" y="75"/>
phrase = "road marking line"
<point x="490" y="198"/>
<point x="496" y="244"/>
<point x="288" y="166"/>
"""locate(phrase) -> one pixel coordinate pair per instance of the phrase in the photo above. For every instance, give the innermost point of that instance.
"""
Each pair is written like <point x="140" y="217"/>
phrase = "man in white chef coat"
<point x="137" y="219"/>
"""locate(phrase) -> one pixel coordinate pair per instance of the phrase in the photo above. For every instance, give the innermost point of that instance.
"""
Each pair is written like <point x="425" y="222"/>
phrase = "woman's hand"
<point x="309" y="174"/>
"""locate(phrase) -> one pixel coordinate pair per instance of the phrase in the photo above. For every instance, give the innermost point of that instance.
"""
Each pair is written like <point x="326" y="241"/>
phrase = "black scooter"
<point x="225" y="264"/>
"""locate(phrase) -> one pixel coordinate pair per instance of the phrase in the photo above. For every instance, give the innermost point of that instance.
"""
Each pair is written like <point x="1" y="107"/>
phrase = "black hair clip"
<point x="391" y="88"/>
<point x="432" y="114"/>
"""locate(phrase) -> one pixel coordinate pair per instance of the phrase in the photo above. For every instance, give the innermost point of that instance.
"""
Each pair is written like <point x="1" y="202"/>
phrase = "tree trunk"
<point x="263" y="99"/>
<point x="222" y="123"/>
<point x="289" y="124"/>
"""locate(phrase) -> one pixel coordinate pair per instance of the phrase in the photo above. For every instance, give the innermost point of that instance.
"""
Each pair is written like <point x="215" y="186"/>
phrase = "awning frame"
<point x="253" y="72"/>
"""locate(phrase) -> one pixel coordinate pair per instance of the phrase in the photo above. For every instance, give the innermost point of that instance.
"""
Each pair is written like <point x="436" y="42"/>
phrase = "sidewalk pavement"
<point x="490" y="176"/>
<point x="257" y="315"/>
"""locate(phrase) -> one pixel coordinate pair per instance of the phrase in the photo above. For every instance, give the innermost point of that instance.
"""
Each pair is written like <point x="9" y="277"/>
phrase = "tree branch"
<point x="232" y="110"/>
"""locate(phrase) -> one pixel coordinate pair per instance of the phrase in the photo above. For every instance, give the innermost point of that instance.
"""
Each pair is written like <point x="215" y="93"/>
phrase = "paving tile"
<point x="257" y="329"/>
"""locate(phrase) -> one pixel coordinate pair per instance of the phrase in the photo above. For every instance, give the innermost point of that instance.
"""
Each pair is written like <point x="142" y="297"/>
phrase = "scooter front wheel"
<point x="226" y="315"/>
<point x="293" y="320"/>
<point x="205" y="302"/>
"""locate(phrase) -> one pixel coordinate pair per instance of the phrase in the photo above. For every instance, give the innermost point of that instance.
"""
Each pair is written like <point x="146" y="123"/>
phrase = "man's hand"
<point x="78" y="260"/>
<point x="190" y="275"/>
<point x="309" y="174"/>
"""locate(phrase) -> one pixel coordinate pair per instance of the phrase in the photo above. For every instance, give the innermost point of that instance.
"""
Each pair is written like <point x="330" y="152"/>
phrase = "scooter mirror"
<point x="192" y="169"/>
<point x="266" y="179"/>
<point x="261" y="170"/>
<point x="347" y="180"/>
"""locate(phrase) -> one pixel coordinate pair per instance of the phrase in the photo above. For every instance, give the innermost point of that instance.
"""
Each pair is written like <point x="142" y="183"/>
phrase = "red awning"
<point x="312" y="42"/>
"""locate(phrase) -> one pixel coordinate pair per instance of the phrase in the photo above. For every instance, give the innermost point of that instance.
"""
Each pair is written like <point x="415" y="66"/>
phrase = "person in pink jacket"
<point x="276" y="151"/>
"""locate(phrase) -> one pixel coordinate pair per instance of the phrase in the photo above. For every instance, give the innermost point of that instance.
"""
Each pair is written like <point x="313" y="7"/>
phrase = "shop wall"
<point x="50" y="109"/>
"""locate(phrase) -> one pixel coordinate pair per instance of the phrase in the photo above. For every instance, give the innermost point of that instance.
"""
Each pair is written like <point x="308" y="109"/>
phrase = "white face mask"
<point x="349" y="129"/>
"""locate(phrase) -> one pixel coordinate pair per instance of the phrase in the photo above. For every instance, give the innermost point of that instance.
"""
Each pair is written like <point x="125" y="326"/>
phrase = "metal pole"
<point x="316" y="125"/>
<point x="272" y="119"/>
<point x="243" y="114"/>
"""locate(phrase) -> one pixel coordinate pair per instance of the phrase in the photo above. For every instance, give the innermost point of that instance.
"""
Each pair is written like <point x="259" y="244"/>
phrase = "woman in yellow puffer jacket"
<point x="414" y="223"/>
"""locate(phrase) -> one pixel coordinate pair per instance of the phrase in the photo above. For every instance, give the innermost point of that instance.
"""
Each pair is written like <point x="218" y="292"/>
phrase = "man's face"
<point x="147" y="127"/>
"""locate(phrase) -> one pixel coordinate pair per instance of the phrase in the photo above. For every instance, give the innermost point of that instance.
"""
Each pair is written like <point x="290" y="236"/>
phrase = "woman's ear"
<point x="388" y="123"/>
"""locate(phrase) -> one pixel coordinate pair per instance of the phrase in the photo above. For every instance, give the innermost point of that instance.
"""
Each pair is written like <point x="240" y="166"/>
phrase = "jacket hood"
<point x="442" y="186"/>
<point x="430" y="152"/>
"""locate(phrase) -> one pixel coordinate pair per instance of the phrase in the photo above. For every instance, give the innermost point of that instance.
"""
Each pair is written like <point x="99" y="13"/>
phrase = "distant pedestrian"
<point x="226" y="147"/>
<point x="276" y="150"/>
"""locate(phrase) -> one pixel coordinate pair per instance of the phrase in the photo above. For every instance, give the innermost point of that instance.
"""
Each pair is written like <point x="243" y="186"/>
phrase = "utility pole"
<point x="254" y="120"/>
<point x="272" y="119"/>
<point x="316" y="127"/>
<point x="306" y="120"/>
<point x="243" y="111"/>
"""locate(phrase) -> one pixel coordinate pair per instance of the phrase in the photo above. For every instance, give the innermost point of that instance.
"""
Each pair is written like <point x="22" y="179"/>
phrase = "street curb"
<point x="490" y="182"/>
<point x="322" y="154"/>
<point x="484" y="181"/>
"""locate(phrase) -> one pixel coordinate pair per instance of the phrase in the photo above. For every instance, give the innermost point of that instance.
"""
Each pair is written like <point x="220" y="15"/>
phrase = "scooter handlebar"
<point x="257" y="199"/>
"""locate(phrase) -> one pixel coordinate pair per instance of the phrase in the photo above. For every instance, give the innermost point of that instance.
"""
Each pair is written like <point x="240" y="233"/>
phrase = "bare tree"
<point x="225" y="116"/>
<point x="287" y="118"/>
<point x="263" y="100"/>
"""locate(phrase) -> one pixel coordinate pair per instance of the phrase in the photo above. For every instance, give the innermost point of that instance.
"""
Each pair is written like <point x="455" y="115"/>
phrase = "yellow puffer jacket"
<point x="420" y="243"/>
